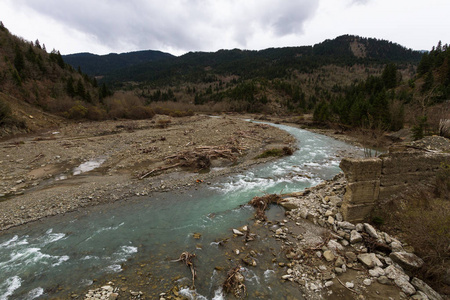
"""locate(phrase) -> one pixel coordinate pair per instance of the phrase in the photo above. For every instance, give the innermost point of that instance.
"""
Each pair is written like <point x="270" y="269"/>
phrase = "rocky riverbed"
<point x="85" y="164"/>
<point x="324" y="256"/>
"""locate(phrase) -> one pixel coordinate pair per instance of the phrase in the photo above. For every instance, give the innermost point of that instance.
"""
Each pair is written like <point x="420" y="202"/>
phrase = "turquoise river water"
<point x="68" y="253"/>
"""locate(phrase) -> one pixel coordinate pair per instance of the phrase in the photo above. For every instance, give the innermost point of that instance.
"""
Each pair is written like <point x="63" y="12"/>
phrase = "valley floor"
<point x="85" y="164"/>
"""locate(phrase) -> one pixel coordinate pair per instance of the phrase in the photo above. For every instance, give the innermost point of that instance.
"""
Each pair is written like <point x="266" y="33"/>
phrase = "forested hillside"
<point x="98" y="65"/>
<point x="276" y="80"/>
<point x="34" y="83"/>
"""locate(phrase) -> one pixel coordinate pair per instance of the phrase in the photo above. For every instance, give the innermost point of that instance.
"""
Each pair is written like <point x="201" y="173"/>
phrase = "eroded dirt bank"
<point x="47" y="174"/>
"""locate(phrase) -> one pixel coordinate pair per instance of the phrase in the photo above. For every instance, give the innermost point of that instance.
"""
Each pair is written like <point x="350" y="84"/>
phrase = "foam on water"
<point x="9" y="286"/>
<point x="191" y="294"/>
<point x="113" y="269"/>
<point x="34" y="293"/>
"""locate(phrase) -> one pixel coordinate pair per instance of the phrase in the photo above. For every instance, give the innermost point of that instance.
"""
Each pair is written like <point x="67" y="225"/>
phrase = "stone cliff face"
<point x="374" y="180"/>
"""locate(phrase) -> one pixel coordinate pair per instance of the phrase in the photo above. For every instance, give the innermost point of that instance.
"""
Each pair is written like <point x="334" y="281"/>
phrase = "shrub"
<point x="78" y="111"/>
<point x="5" y="112"/>
<point x="443" y="182"/>
<point x="140" y="112"/>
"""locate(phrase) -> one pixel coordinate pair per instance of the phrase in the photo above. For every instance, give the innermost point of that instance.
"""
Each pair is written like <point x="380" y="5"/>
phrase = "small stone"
<point x="344" y="242"/>
<point x="359" y="227"/>
<point x="328" y="213"/>
<point x="237" y="232"/>
<point x="346" y="225"/>
<point x="286" y="277"/>
<point x="313" y="287"/>
<point x="328" y="283"/>
<point x="371" y="231"/>
<point x="396" y="246"/>
<point x="279" y="231"/>
<point x="369" y="260"/>
<point x="338" y="270"/>
<point x="376" y="272"/>
<point x="351" y="256"/>
<point x="367" y="282"/>
<point x="355" y="237"/>
<point x="339" y="262"/>
<point x="319" y="254"/>
<point x="330" y="220"/>
<point x="328" y="255"/>
<point x="113" y="296"/>
<point x="349" y="285"/>
<point x="107" y="288"/>
<point x="383" y="280"/>
<point x="334" y="246"/>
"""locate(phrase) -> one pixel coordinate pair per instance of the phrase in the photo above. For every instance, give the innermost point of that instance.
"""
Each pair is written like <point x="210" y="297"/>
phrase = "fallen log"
<point x="158" y="170"/>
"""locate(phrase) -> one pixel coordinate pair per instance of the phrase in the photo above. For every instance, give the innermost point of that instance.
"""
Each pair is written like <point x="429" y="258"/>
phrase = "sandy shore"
<point x="39" y="173"/>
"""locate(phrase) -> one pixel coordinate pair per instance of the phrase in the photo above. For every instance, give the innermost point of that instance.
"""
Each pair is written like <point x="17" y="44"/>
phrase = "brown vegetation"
<point x="422" y="218"/>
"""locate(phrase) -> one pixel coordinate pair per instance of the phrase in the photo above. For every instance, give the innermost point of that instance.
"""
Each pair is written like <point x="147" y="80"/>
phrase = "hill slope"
<point x="97" y="65"/>
<point x="35" y="85"/>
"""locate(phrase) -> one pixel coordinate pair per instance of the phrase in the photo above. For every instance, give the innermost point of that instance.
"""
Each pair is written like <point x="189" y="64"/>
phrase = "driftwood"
<point x="158" y="170"/>
<point x="234" y="283"/>
<point x="373" y="245"/>
<point x="198" y="158"/>
<point x="188" y="259"/>
<point x="262" y="203"/>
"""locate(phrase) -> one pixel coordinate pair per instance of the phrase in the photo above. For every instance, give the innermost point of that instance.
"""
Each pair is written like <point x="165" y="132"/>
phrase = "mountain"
<point x="98" y="65"/>
<point x="270" y="63"/>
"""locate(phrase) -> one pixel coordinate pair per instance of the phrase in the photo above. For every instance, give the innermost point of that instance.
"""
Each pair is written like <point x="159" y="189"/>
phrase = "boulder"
<point x="400" y="279"/>
<point x="408" y="261"/>
<point x="369" y="260"/>
<point x="426" y="289"/>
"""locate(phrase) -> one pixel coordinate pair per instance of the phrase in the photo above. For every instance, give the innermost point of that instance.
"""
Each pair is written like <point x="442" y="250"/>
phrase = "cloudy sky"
<point x="180" y="26"/>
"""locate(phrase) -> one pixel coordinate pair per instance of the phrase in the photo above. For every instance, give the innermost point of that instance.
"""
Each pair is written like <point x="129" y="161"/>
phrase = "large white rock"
<point x="371" y="231"/>
<point x="426" y="289"/>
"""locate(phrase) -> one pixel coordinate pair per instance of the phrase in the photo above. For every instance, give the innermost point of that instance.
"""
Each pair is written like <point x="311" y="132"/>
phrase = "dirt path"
<point x="44" y="175"/>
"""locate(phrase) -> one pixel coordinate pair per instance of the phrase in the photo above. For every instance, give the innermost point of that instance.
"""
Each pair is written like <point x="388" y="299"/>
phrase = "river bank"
<point x="86" y="164"/>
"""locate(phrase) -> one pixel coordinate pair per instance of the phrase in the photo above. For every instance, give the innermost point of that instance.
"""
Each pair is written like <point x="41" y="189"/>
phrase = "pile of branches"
<point x="188" y="259"/>
<point x="234" y="283"/>
<point x="262" y="203"/>
<point x="198" y="158"/>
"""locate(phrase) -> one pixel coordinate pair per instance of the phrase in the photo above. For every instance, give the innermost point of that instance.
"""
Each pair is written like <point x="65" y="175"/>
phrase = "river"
<point x="140" y="236"/>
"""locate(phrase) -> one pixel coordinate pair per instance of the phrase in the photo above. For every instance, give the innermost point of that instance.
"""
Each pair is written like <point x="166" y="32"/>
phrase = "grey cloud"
<point x="179" y="24"/>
